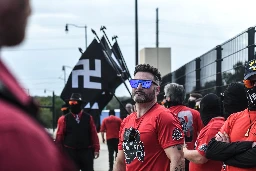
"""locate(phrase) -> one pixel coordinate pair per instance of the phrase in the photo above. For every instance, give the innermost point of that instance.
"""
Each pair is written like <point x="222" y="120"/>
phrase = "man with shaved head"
<point x="24" y="143"/>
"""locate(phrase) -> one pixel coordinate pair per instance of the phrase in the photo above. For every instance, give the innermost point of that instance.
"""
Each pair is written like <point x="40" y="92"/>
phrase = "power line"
<point x="57" y="48"/>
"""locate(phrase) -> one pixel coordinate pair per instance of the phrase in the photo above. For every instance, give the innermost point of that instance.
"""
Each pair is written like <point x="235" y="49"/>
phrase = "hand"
<point x="103" y="140"/>
<point x="96" y="155"/>
<point x="223" y="137"/>
<point x="253" y="144"/>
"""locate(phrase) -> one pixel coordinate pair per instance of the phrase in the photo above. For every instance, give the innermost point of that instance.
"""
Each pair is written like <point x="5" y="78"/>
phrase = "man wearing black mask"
<point x="77" y="134"/>
<point x="238" y="133"/>
<point x="210" y="113"/>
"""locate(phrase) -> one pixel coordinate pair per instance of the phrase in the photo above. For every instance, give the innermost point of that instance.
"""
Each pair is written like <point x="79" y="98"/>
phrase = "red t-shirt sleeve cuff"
<point x="172" y="144"/>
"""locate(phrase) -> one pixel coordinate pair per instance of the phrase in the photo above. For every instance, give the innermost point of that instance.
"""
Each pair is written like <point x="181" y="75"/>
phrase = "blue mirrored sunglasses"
<point x="144" y="83"/>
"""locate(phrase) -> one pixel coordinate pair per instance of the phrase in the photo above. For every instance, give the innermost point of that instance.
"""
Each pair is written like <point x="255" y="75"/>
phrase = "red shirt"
<point x="204" y="137"/>
<point x="158" y="129"/>
<point x="24" y="144"/>
<point x="236" y="127"/>
<point x="62" y="127"/>
<point x="111" y="125"/>
<point x="190" y="121"/>
<point x="60" y="120"/>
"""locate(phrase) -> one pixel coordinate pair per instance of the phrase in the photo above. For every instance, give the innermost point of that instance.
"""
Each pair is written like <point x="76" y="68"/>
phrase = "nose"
<point x="139" y="86"/>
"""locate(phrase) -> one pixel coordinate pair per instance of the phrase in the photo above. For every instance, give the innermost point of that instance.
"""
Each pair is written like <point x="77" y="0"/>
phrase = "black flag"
<point x="91" y="76"/>
<point x="119" y="57"/>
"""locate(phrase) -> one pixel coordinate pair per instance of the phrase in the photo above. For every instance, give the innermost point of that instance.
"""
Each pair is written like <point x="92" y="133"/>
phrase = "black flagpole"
<point x="103" y="30"/>
<point x="122" y="57"/>
<point x="115" y="70"/>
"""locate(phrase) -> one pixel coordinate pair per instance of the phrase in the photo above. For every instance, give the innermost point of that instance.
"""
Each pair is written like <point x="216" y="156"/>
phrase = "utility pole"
<point x="53" y="111"/>
<point x="136" y="33"/>
<point x="157" y="39"/>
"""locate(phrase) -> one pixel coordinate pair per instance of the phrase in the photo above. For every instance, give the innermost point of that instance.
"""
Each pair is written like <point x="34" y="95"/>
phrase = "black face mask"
<point x="251" y="97"/>
<point x="170" y="103"/>
<point x="209" y="108"/>
<point x="75" y="108"/>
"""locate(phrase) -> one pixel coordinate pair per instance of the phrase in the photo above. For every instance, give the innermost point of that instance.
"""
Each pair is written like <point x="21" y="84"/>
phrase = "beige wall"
<point x="149" y="56"/>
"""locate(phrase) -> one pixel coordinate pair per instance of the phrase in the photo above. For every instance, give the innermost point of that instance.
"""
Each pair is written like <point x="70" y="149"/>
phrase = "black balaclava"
<point x="251" y="98"/>
<point x="234" y="99"/>
<point x="75" y="109"/>
<point x="210" y="107"/>
<point x="249" y="71"/>
<point x="192" y="104"/>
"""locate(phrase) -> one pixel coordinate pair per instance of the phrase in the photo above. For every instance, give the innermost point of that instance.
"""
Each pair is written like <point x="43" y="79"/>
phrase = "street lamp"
<point x="85" y="27"/>
<point x="53" y="109"/>
<point x="64" y="70"/>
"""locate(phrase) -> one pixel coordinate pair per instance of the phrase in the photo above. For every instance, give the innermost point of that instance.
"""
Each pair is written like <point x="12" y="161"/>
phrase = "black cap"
<point x="250" y="69"/>
<point x="76" y="96"/>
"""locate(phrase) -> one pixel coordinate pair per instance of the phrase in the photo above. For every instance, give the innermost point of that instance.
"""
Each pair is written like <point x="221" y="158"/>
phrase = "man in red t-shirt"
<point x="24" y="143"/>
<point x="111" y="126"/>
<point x="189" y="118"/>
<point x="210" y="112"/>
<point x="151" y="138"/>
<point x="78" y="136"/>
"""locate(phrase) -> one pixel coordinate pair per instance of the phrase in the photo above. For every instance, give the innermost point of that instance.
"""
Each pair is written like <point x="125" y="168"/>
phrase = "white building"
<point x="157" y="57"/>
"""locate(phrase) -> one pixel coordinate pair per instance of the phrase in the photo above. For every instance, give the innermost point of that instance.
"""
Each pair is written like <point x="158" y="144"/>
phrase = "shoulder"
<point x="87" y="115"/>
<point x="165" y="114"/>
<point x="193" y="111"/>
<point x="129" y="118"/>
<point x="234" y="116"/>
<point x="16" y="126"/>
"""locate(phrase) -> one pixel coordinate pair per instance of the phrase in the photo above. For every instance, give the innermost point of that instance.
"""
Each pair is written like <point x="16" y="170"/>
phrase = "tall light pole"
<point x="85" y="27"/>
<point x="64" y="70"/>
<point x="136" y="34"/>
<point x="53" y="109"/>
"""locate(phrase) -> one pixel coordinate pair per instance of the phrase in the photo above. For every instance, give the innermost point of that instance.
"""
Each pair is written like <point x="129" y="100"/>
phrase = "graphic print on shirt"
<point x="186" y="121"/>
<point x="132" y="145"/>
<point x="176" y="134"/>
<point x="203" y="147"/>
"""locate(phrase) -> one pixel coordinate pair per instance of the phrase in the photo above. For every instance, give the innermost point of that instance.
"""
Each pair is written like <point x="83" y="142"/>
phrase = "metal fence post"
<point x="218" y="70"/>
<point x="251" y="43"/>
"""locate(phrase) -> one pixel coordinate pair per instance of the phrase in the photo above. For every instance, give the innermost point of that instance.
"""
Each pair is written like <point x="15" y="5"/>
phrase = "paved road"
<point x="101" y="164"/>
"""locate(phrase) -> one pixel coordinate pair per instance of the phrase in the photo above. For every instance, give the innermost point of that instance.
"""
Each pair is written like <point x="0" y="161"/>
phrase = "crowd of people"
<point x="208" y="133"/>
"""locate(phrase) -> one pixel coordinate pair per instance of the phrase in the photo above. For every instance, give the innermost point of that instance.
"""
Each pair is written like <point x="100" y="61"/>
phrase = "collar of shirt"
<point x="79" y="114"/>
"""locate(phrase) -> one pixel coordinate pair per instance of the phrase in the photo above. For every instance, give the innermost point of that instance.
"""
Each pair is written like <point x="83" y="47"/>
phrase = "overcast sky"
<point x="189" y="27"/>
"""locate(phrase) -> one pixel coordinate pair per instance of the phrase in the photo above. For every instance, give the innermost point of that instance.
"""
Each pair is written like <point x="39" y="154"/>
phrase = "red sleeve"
<point x="60" y="131"/>
<point x="169" y="130"/>
<point x="103" y="126"/>
<point x="203" y="139"/>
<point x="120" y="147"/>
<point x="95" y="138"/>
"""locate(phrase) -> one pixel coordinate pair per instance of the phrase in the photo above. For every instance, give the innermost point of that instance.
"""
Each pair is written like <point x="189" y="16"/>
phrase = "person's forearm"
<point x="222" y="151"/>
<point x="119" y="166"/>
<point x="243" y="160"/>
<point x="194" y="156"/>
<point x="102" y="135"/>
<point x="178" y="165"/>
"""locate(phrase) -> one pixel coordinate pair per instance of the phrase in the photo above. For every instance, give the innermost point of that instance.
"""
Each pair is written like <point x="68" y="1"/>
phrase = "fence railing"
<point x="214" y="70"/>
